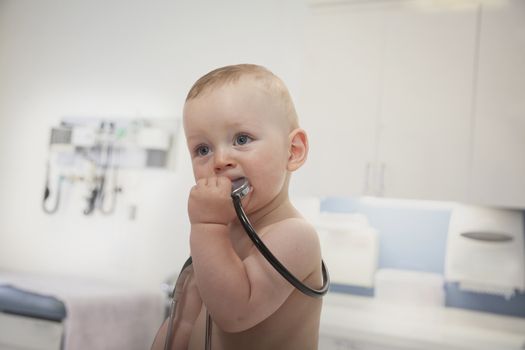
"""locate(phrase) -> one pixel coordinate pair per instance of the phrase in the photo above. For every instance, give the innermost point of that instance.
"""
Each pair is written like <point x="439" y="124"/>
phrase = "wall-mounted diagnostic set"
<point x="93" y="150"/>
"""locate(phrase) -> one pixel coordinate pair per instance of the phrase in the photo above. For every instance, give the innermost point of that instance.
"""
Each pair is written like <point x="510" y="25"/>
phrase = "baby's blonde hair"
<point x="231" y="74"/>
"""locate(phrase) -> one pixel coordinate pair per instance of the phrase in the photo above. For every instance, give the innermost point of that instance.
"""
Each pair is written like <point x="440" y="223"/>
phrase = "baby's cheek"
<point x="272" y="181"/>
<point x="200" y="172"/>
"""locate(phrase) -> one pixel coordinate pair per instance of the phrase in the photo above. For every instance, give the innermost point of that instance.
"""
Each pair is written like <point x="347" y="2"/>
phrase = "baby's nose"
<point x="223" y="161"/>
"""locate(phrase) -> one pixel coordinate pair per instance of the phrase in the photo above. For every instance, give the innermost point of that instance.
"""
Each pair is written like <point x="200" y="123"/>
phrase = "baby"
<point x="240" y="123"/>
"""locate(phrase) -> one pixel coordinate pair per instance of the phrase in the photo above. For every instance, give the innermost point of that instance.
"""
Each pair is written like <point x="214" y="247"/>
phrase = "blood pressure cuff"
<point x="24" y="303"/>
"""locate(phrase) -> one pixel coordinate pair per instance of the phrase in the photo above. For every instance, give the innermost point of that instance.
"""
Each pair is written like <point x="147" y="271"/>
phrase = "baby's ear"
<point x="298" y="151"/>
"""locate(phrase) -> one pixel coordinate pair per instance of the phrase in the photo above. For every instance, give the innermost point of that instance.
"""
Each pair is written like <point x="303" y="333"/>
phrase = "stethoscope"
<point x="237" y="195"/>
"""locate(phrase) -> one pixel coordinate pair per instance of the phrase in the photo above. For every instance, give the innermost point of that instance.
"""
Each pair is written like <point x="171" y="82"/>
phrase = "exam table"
<point x="30" y="320"/>
<point x="42" y="312"/>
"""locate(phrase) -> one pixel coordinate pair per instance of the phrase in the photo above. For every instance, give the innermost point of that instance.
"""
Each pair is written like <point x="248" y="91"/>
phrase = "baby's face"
<point x="237" y="130"/>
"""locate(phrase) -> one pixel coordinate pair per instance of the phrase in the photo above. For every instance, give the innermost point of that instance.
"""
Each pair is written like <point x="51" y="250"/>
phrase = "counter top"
<point x="402" y="326"/>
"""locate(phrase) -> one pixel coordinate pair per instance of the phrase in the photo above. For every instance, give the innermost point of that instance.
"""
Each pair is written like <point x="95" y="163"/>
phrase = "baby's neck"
<point x="272" y="213"/>
<point x="280" y="208"/>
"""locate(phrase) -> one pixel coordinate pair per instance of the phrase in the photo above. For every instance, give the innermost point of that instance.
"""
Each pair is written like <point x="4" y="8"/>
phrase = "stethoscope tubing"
<point x="277" y="265"/>
<point x="268" y="255"/>
<point x="177" y="291"/>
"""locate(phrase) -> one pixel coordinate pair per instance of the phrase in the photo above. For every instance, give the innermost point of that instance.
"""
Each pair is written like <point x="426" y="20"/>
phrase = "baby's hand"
<point x="210" y="201"/>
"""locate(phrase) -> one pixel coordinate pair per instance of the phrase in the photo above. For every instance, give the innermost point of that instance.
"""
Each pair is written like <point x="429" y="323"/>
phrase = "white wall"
<point x="126" y="59"/>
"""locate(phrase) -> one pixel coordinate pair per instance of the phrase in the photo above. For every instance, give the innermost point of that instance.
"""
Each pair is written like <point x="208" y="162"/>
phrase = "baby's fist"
<point x="210" y="201"/>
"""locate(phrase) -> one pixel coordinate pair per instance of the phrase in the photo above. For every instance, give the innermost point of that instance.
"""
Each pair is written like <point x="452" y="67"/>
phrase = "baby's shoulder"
<point x="294" y="224"/>
<point x="294" y="229"/>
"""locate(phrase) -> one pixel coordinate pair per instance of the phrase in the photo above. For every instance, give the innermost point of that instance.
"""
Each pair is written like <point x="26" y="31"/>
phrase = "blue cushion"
<point x="24" y="303"/>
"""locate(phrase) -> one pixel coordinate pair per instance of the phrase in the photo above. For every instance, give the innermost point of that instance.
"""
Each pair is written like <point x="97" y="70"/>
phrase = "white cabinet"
<point x="356" y="322"/>
<point x="498" y="165"/>
<point x="337" y="343"/>
<point x="340" y="100"/>
<point x="423" y="134"/>
<point x="387" y="101"/>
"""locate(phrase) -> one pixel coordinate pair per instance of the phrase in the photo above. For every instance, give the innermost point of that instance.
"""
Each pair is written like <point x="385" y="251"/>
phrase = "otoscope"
<point x="238" y="193"/>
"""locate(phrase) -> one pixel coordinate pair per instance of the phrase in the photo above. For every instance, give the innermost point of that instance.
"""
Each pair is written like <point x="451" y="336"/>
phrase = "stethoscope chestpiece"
<point x="241" y="191"/>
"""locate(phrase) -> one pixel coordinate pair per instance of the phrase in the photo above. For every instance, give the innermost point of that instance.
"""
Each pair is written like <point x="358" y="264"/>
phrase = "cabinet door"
<point x="427" y="103"/>
<point x="339" y="103"/>
<point x="379" y="343"/>
<point x="498" y="167"/>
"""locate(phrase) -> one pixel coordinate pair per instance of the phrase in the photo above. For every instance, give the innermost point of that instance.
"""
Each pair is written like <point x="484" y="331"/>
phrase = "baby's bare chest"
<point x="288" y="328"/>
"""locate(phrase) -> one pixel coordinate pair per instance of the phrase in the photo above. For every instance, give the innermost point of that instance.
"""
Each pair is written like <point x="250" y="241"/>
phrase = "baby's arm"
<point x="241" y="293"/>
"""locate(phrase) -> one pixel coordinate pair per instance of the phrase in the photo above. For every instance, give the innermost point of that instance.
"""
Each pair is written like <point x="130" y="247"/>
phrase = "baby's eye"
<point x="202" y="150"/>
<point x="242" y="139"/>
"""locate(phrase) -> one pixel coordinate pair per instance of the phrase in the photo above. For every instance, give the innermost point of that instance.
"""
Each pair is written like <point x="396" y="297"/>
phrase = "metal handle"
<point x="207" y="344"/>
<point x="366" y="188"/>
<point x="381" y="188"/>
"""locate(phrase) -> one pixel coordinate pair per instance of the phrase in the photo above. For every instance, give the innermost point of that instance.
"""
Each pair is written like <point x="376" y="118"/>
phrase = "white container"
<point x="350" y="248"/>
<point x="409" y="287"/>
<point x="485" y="250"/>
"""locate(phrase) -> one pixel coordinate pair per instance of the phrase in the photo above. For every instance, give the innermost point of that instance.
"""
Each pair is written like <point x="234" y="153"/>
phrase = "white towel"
<point x="100" y="315"/>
